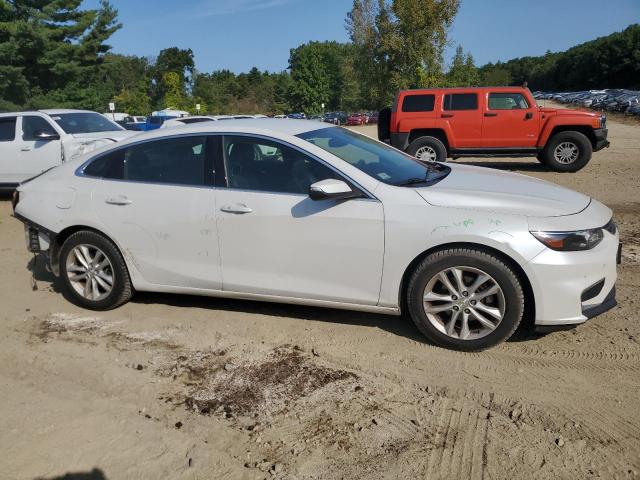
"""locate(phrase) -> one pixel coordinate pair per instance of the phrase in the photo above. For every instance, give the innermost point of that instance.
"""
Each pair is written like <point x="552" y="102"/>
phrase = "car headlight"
<point x="603" y="121"/>
<point x="570" y="241"/>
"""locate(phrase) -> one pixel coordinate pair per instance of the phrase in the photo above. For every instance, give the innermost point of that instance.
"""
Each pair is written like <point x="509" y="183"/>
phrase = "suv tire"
<point x="428" y="149"/>
<point x="471" y="275"/>
<point x="93" y="272"/>
<point x="567" y="151"/>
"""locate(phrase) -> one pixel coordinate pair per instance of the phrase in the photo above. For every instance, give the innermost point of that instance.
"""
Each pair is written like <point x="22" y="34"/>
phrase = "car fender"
<point x="565" y="120"/>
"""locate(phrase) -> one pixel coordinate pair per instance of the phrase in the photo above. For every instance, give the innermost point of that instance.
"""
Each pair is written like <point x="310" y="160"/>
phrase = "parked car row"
<point x="610" y="100"/>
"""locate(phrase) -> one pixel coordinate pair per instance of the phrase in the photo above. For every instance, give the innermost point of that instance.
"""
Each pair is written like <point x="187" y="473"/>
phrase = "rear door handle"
<point x="489" y="114"/>
<point x="447" y="115"/>
<point x="119" y="200"/>
<point x="236" y="208"/>
<point x="25" y="149"/>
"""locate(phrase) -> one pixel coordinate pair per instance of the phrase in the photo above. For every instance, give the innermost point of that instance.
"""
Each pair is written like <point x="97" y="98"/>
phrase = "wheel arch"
<point x="586" y="130"/>
<point x="530" y="301"/>
<point x="438" y="133"/>
<point x="64" y="234"/>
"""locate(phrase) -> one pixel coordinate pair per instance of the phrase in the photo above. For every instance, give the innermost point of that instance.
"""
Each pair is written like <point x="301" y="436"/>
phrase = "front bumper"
<point x="601" y="139"/>
<point x="572" y="287"/>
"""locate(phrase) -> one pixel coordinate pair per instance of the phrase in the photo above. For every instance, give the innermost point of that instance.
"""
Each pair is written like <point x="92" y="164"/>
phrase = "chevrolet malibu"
<point x="297" y="212"/>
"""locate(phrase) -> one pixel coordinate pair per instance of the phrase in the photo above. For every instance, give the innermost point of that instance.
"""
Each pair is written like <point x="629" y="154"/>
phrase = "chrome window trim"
<point x="79" y="172"/>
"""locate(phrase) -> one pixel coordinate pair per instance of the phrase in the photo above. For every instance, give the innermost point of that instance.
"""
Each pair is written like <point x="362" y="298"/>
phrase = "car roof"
<point x="470" y="89"/>
<point x="257" y="126"/>
<point x="58" y="111"/>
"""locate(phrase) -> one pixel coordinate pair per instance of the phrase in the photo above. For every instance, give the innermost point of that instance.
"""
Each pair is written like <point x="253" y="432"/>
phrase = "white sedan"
<point x="296" y="212"/>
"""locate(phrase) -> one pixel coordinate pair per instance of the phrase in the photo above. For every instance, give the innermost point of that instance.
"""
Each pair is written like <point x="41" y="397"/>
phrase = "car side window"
<point x="32" y="124"/>
<point x="418" y="103"/>
<point x="507" y="101"/>
<point x="7" y="129"/>
<point x="267" y="166"/>
<point x="461" y="101"/>
<point x="180" y="161"/>
<point x="176" y="161"/>
<point x="109" y="166"/>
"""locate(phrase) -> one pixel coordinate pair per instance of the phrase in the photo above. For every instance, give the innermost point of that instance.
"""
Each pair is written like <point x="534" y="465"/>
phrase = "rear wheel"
<point x="465" y="299"/>
<point x="428" y="149"/>
<point x="93" y="272"/>
<point x="567" y="151"/>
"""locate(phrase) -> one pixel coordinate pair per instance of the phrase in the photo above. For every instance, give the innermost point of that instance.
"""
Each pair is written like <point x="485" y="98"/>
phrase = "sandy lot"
<point x="195" y="388"/>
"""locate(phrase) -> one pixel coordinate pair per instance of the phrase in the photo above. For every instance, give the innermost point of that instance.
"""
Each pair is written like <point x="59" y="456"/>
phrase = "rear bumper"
<point x="399" y="140"/>
<point x="601" y="139"/>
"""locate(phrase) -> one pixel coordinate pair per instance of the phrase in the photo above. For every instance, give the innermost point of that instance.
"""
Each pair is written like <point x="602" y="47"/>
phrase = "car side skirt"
<point x="269" y="298"/>
<point x="495" y="152"/>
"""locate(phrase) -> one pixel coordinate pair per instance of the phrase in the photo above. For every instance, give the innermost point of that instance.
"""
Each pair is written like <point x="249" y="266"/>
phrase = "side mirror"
<point x="45" y="136"/>
<point x="331" y="189"/>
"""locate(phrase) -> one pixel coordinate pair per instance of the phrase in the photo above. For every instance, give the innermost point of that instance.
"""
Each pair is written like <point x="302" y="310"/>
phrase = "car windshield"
<point x="376" y="159"/>
<point x="85" y="122"/>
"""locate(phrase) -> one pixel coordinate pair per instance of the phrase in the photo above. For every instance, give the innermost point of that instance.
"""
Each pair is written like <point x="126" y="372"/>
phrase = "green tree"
<point x="310" y="78"/>
<point x="463" y="72"/>
<point x="134" y="102"/>
<point x="51" y="49"/>
<point x="399" y="44"/>
<point x="173" y="91"/>
<point x="172" y="60"/>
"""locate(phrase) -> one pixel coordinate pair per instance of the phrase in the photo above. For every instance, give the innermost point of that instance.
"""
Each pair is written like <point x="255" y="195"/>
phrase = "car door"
<point x="9" y="151"/>
<point x="156" y="200"/>
<point x="39" y="145"/>
<point x="460" y="110"/>
<point x="275" y="240"/>
<point x="509" y="121"/>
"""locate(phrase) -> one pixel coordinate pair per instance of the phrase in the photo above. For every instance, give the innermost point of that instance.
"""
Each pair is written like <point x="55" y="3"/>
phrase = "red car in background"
<point x="372" y="118"/>
<point x="357" y="119"/>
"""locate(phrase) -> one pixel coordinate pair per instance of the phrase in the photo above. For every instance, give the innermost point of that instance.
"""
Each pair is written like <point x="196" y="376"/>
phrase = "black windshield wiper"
<point x="411" y="181"/>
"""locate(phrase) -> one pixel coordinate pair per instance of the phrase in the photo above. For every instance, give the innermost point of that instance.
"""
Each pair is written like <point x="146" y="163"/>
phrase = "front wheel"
<point x="428" y="149"/>
<point x="93" y="272"/>
<point x="567" y="151"/>
<point x="465" y="299"/>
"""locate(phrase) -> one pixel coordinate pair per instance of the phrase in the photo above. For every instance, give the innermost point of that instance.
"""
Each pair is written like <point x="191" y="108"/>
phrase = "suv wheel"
<point x="428" y="149"/>
<point x="567" y="152"/>
<point x="93" y="272"/>
<point x="465" y="299"/>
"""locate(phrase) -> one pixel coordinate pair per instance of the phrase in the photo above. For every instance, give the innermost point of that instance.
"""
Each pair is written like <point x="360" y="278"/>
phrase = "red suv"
<point x="434" y="124"/>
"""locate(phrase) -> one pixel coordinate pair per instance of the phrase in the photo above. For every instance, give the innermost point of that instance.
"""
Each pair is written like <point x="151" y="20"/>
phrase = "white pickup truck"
<point x="32" y="142"/>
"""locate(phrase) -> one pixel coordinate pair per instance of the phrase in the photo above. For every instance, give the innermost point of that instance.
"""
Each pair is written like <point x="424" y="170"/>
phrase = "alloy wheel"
<point x="90" y="272"/>
<point x="426" y="154"/>
<point x="464" y="303"/>
<point x="566" y="152"/>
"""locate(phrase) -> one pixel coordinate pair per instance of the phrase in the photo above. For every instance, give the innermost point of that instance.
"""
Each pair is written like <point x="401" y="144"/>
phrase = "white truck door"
<point x="9" y="151"/>
<point x="39" y="145"/>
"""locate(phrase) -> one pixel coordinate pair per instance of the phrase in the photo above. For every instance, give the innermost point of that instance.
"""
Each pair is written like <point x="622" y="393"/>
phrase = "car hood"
<point x="480" y="188"/>
<point x="567" y="112"/>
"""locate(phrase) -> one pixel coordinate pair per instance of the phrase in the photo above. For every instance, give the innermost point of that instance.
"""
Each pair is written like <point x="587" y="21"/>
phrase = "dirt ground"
<point x="202" y="388"/>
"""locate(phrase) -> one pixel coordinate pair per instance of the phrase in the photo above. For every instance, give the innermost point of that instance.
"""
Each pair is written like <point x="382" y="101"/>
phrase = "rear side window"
<point x="7" y="129"/>
<point x="176" y="161"/>
<point x="32" y="125"/>
<point x="461" y="101"/>
<point x="109" y="166"/>
<point x="507" y="101"/>
<point x="418" y="103"/>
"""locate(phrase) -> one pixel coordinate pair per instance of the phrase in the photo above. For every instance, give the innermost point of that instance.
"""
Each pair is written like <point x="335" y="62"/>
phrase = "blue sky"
<point x="238" y="34"/>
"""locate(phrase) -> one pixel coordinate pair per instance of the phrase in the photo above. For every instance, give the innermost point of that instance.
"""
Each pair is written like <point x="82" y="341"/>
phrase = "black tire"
<point x="121" y="290"/>
<point x="502" y="274"/>
<point x="573" y="138"/>
<point x="384" y="124"/>
<point x="429" y="142"/>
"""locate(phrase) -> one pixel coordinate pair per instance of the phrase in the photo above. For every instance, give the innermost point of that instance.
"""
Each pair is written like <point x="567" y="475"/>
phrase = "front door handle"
<point x="528" y="116"/>
<point x="489" y="114"/>
<point x="447" y="115"/>
<point x="119" y="200"/>
<point x="236" y="208"/>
